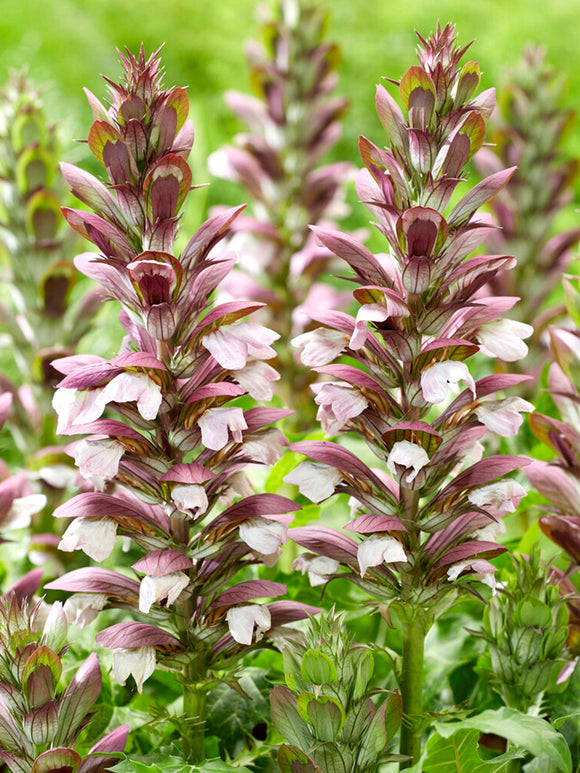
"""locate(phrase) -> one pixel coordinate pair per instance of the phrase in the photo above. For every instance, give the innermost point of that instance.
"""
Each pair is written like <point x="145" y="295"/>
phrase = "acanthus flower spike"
<point x="410" y="393"/>
<point x="181" y="446"/>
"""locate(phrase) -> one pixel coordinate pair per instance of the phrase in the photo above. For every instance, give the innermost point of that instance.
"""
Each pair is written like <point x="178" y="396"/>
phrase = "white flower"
<point x="257" y="377"/>
<point x="315" y="480"/>
<point x="94" y="536"/>
<point x="138" y="662"/>
<point x="82" y="608"/>
<point x="338" y="403"/>
<point x="190" y="496"/>
<point x="243" y="620"/>
<point x="503" y="496"/>
<point x="133" y="387"/>
<point x="76" y="406"/>
<point x="319" y="347"/>
<point x="503" y="416"/>
<point x="379" y="549"/>
<point x="443" y="377"/>
<point x="368" y="312"/>
<point x="409" y="455"/>
<point x="153" y="589"/>
<point x="216" y="422"/>
<point x="231" y="345"/>
<point x="503" y="338"/>
<point x="320" y="568"/>
<point x="21" y="511"/>
<point x="98" y="459"/>
<point x="263" y="535"/>
<point x="266" y="447"/>
<point x="480" y="568"/>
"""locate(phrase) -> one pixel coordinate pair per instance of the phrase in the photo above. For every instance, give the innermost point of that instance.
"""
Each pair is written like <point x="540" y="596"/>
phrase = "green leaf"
<point x="232" y="717"/>
<point x="324" y="713"/>
<point x="458" y="753"/>
<point x="293" y="760"/>
<point x="318" y="668"/>
<point x="287" y="720"/>
<point x="161" y="763"/>
<point x="532" y="733"/>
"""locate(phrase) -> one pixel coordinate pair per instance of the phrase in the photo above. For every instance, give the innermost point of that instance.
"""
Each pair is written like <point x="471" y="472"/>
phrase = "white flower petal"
<point x="242" y="620"/>
<point x="443" y="377"/>
<point x="138" y="662"/>
<point x="376" y="550"/>
<point x="315" y="480"/>
<point x="153" y="589"/>
<point x="409" y="455"/>
<point x="82" y="608"/>
<point x="263" y="535"/>
<point x="190" y="496"/>
<point x="503" y="338"/>
<point x="96" y="537"/>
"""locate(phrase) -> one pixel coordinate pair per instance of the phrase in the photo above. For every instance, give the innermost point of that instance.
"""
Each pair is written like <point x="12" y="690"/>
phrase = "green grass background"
<point x="68" y="43"/>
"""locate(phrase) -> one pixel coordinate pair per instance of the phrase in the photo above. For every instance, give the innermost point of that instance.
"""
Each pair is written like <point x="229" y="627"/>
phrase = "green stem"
<point x="194" y="701"/>
<point x="411" y="684"/>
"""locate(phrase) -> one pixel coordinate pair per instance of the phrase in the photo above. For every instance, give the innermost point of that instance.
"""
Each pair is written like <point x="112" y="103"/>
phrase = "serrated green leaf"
<point x="232" y="717"/>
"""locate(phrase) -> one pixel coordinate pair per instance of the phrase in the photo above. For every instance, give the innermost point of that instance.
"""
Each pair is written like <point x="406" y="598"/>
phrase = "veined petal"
<point x="216" y="422"/>
<point x="315" y="480"/>
<point x="338" y="403"/>
<point x="168" y="586"/>
<point x="96" y="537"/>
<point x="76" y="406"/>
<point x="503" y="496"/>
<point x="379" y="549"/>
<point x="503" y="338"/>
<point x="98" y="460"/>
<point x="408" y="455"/>
<point x="320" y="568"/>
<point x="21" y="511"/>
<point x="242" y="621"/>
<point x="319" y="347"/>
<point x="443" y="377"/>
<point x="134" y="387"/>
<point x="257" y="377"/>
<point x="482" y="570"/>
<point x="267" y="447"/>
<point x="504" y="416"/>
<point x="82" y="608"/>
<point x="190" y="496"/>
<point x="263" y="535"/>
<point x="138" y="662"/>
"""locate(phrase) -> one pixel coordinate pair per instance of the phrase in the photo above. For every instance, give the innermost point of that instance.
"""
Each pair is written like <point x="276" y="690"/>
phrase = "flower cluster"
<point x="530" y="134"/>
<point x="40" y="718"/>
<point x="426" y="521"/>
<point x="325" y="710"/>
<point x="170" y="476"/>
<point x="291" y="125"/>
<point x="429" y="516"/>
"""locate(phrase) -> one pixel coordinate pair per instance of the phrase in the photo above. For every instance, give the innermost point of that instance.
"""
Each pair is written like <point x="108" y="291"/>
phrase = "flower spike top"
<point x="170" y="475"/>
<point x="426" y="518"/>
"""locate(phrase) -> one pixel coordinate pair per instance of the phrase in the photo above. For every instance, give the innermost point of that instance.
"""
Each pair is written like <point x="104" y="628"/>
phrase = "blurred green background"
<point x="67" y="44"/>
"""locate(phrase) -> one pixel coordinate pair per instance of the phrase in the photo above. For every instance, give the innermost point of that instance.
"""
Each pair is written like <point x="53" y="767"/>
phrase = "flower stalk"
<point x="425" y="520"/>
<point x="169" y="476"/>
